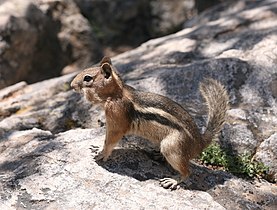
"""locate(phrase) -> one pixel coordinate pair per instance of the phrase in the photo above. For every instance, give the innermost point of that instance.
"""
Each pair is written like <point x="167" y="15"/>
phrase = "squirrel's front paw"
<point x="101" y="156"/>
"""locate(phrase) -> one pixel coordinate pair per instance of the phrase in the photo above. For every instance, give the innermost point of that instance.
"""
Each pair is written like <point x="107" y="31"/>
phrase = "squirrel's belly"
<point x="150" y="130"/>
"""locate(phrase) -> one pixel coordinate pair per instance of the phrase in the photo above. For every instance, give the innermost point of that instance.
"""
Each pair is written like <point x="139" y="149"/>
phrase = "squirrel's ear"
<point x="106" y="70"/>
<point x="105" y="60"/>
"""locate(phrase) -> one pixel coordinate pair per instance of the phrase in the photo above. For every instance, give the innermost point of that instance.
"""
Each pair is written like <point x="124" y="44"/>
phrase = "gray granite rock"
<point x="76" y="36"/>
<point x="136" y="21"/>
<point x="267" y="153"/>
<point x="49" y="135"/>
<point x="40" y="38"/>
<point x="59" y="172"/>
<point x="239" y="139"/>
<point x="29" y="47"/>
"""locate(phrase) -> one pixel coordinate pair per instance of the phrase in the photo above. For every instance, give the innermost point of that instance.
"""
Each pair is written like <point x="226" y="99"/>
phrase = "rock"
<point x="29" y="47"/>
<point x="239" y="139"/>
<point x="133" y="22"/>
<point x="170" y="15"/>
<point x="273" y="87"/>
<point x="32" y="107"/>
<point x="7" y="92"/>
<point x="40" y="39"/>
<point x="76" y="37"/>
<point x="202" y="5"/>
<point x="49" y="135"/>
<point x="267" y="153"/>
<point x="237" y="114"/>
<point x="59" y="171"/>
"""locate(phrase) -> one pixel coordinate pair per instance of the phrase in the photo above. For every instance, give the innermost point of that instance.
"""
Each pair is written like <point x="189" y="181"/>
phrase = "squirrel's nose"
<point x="75" y="86"/>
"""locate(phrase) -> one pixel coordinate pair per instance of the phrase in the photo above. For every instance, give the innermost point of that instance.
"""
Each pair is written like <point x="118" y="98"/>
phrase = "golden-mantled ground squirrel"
<point x="152" y="116"/>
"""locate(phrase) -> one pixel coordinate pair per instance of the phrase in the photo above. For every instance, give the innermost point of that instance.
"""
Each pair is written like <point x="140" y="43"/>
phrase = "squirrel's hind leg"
<point x="173" y="153"/>
<point x="171" y="183"/>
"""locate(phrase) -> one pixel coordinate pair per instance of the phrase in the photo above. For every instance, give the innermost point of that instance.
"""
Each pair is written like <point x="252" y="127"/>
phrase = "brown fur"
<point x="155" y="117"/>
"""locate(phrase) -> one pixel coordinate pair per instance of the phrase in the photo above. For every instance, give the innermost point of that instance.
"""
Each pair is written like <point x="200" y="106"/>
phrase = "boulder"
<point x="76" y="37"/>
<point x="49" y="135"/>
<point x="29" y="48"/>
<point x="131" y="23"/>
<point x="41" y="39"/>
<point x="239" y="139"/>
<point x="267" y="153"/>
<point x="59" y="172"/>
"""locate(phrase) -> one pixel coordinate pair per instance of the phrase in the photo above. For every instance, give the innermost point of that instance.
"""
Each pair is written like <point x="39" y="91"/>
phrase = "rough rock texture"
<point x="267" y="152"/>
<point x="29" y="46"/>
<point x="60" y="172"/>
<point x="239" y="138"/>
<point x="135" y="21"/>
<point x="76" y="37"/>
<point x="122" y="23"/>
<point x="40" y="38"/>
<point x="49" y="135"/>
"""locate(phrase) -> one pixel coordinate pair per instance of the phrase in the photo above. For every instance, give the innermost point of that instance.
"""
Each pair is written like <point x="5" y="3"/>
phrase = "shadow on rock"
<point x="22" y="155"/>
<point x="144" y="165"/>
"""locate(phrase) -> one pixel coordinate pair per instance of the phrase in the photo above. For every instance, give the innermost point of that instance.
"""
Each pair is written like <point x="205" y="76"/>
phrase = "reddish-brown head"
<point x="99" y="83"/>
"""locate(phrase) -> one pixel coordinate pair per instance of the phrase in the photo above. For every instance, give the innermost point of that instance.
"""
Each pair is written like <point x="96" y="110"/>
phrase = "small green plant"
<point x="245" y="165"/>
<point x="237" y="164"/>
<point x="214" y="155"/>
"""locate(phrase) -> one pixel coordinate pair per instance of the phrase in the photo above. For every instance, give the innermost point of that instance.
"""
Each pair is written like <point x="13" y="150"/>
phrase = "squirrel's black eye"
<point x="87" y="78"/>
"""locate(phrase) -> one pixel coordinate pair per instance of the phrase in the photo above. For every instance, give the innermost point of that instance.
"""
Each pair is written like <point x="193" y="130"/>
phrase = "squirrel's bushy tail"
<point x="217" y="100"/>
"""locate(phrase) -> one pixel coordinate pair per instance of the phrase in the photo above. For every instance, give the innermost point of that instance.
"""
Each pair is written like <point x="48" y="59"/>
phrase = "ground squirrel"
<point x="152" y="116"/>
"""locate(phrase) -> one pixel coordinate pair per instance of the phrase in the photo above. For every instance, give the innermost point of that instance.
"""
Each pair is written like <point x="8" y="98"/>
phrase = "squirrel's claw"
<point x="169" y="183"/>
